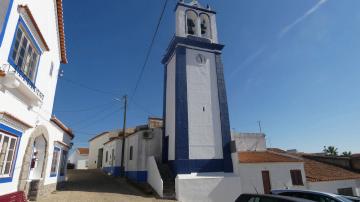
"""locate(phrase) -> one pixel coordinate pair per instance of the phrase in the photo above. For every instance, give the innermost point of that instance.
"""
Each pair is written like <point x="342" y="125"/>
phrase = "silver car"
<point x="311" y="195"/>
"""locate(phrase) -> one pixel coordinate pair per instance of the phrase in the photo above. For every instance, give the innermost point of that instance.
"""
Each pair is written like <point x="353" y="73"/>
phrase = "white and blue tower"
<point x="197" y="131"/>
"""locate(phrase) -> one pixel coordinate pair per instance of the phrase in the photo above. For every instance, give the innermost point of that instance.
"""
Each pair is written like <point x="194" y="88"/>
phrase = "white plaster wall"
<point x="10" y="101"/>
<point x="209" y="187"/>
<point x="82" y="164"/>
<point x="280" y="178"/>
<point x="170" y="107"/>
<point x="142" y="149"/>
<point x="154" y="177"/>
<point x="111" y="159"/>
<point x="14" y="103"/>
<point x="80" y="161"/>
<point x="249" y="141"/>
<point x="333" y="186"/>
<point x="204" y="126"/>
<point x="95" y="145"/>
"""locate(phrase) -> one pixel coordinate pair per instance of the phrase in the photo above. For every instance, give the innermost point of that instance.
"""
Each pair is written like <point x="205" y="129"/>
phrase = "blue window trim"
<point x="2" y="34"/>
<point x="18" y="134"/>
<point x="33" y="41"/>
<point x="54" y="174"/>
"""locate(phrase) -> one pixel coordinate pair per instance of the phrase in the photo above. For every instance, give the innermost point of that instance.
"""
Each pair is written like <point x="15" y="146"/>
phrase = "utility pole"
<point x="122" y="168"/>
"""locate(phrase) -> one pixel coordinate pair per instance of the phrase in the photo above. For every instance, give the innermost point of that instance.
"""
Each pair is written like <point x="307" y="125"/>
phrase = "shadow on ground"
<point x="96" y="181"/>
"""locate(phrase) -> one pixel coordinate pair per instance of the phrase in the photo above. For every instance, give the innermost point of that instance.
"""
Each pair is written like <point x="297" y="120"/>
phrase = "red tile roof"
<point x="83" y="151"/>
<point x="60" y="15"/>
<point x="317" y="171"/>
<point x="264" y="157"/>
<point x="62" y="126"/>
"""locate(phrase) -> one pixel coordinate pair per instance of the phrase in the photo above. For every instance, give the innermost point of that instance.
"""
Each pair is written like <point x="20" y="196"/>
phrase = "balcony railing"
<point x="13" y="77"/>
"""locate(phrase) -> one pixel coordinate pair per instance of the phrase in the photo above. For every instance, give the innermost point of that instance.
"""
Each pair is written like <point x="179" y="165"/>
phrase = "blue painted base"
<point x="114" y="171"/>
<point x="198" y="166"/>
<point x="137" y="176"/>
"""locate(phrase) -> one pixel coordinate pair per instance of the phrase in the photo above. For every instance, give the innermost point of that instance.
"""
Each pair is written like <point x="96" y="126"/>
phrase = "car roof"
<point x="288" y="198"/>
<point x="277" y="191"/>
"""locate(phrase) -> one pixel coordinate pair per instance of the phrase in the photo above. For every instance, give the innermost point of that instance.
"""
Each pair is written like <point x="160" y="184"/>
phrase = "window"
<point x="106" y="157"/>
<point x="205" y="25"/>
<point x="296" y="177"/>
<point x="63" y="162"/>
<point x="55" y="160"/>
<point x="131" y="153"/>
<point x="24" y="54"/>
<point x="7" y="153"/>
<point x="191" y="21"/>
<point x="51" y="69"/>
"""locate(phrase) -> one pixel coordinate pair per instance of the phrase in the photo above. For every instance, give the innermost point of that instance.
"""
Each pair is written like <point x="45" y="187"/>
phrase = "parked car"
<point x="311" y="195"/>
<point x="352" y="198"/>
<point x="268" y="198"/>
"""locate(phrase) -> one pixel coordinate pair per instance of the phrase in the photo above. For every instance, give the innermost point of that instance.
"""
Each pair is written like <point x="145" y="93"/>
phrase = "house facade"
<point x="33" y="143"/>
<point x="80" y="158"/>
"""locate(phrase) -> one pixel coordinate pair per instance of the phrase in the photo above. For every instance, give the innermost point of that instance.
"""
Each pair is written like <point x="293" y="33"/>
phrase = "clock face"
<point x="200" y="59"/>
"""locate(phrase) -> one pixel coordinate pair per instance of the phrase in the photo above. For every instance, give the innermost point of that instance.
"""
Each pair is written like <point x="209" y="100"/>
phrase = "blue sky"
<point x="292" y="64"/>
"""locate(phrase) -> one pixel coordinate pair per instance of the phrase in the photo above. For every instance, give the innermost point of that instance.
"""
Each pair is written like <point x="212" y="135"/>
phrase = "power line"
<point x="149" y="49"/>
<point x="92" y="108"/>
<point x="106" y="116"/>
<point x="88" y="87"/>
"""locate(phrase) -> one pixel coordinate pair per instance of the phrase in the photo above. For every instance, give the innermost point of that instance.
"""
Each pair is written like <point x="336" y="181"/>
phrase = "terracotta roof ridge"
<point x="61" y="125"/>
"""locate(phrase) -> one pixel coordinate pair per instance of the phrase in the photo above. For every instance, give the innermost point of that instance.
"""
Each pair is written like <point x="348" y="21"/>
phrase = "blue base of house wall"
<point x="137" y="176"/>
<point x="114" y="171"/>
<point x="198" y="166"/>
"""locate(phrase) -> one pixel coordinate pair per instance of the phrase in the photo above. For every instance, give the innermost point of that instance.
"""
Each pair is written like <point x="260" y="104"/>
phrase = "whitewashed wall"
<point x="80" y="161"/>
<point x="170" y="107"/>
<point x="203" y="107"/>
<point x="142" y="149"/>
<point x="333" y="186"/>
<point x="280" y="178"/>
<point x="113" y="161"/>
<point x="209" y="187"/>
<point x="154" y="177"/>
<point x="249" y="141"/>
<point x="96" y="144"/>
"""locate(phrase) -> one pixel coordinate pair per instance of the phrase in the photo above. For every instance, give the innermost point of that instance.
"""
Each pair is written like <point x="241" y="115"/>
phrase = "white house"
<point x="79" y="158"/>
<point x="96" y="147"/>
<point x="33" y="143"/>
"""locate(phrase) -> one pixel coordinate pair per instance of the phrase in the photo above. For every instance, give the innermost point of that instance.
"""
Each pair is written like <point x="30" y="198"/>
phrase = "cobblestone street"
<point x="92" y="185"/>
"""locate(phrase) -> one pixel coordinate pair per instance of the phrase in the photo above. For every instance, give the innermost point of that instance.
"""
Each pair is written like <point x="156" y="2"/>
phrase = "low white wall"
<point x="211" y="187"/>
<point x="333" y="186"/>
<point x="153" y="176"/>
<point x="82" y="164"/>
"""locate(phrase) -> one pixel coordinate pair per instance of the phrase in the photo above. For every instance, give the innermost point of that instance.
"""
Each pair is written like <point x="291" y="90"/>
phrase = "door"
<point x="100" y="158"/>
<point x="266" y="181"/>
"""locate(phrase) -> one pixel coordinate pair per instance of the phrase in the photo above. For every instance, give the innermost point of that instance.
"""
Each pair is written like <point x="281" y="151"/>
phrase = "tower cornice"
<point x="194" y="7"/>
<point x="191" y="41"/>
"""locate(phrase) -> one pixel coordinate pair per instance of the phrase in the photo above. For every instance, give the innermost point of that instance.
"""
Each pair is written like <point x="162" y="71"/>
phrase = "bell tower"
<point x="197" y="132"/>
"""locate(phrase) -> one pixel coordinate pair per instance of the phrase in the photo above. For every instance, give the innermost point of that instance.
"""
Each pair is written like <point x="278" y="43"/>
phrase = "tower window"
<point x="205" y="25"/>
<point x="191" y="21"/>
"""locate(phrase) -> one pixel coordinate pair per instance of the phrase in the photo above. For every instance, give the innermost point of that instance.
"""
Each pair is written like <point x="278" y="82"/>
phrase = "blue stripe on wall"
<point x="137" y="176"/>
<point x="114" y="171"/>
<point x="224" y="115"/>
<point x="165" y="140"/>
<point x="198" y="166"/>
<point x="6" y="21"/>
<point x="181" y="107"/>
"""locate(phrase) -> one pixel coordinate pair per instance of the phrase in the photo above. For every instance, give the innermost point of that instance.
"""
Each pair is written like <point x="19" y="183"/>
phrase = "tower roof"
<point x="194" y="4"/>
